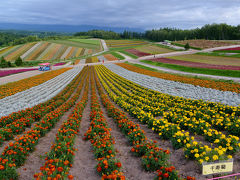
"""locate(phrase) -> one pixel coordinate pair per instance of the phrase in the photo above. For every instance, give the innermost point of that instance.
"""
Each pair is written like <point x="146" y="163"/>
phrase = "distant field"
<point x="204" y="44"/>
<point x="87" y="41"/>
<point x="124" y="43"/>
<point x="77" y="43"/>
<point x="47" y="50"/>
<point x="152" y="49"/>
<point x="218" y="60"/>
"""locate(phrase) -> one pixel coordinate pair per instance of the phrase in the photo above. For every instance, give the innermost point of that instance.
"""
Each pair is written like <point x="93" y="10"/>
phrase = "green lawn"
<point x="87" y="41"/>
<point x="217" y="72"/>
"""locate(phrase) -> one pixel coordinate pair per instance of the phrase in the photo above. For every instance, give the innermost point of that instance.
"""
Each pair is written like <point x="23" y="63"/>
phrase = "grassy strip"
<point x="181" y="45"/>
<point x="217" y="72"/>
<point x="129" y="54"/>
<point x="183" y="75"/>
<point x="117" y="55"/>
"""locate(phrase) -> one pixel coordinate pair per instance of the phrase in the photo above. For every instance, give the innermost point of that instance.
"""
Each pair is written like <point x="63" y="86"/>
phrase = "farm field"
<point x="152" y="49"/>
<point x="55" y="49"/>
<point x="92" y="59"/>
<point x="110" y="57"/>
<point x="205" y="44"/>
<point x="124" y="43"/>
<point x="216" y="60"/>
<point x="195" y="64"/>
<point x="110" y="122"/>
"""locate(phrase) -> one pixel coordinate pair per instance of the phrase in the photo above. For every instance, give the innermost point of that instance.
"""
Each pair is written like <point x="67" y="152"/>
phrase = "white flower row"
<point x="178" y="88"/>
<point x="37" y="94"/>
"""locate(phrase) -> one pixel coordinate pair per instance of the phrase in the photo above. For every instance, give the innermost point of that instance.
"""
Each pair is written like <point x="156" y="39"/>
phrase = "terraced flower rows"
<point x="189" y="125"/>
<point x="178" y="89"/>
<point x="178" y="119"/>
<point x="37" y="94"/>
<point x="12" y="88"/>
<point x="223" y="86"/>
<point x="43" y="51"/>
<point x="123" y="43"/>
<point x="14" y="71"/>
<point x="195" y="64"/>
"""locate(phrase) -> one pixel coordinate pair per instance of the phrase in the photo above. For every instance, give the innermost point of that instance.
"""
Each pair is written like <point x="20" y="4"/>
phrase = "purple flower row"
<point x="14" y="71"/>
<point x="59" y="64"/>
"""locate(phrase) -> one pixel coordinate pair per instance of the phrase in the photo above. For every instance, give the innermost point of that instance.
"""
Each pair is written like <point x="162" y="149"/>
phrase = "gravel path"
<point x="177" y="88"/>
<point x="37" y="94"/>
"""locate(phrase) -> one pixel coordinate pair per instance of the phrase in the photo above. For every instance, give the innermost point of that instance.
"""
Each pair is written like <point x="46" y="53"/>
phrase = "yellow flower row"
<point x="140" y="113"/>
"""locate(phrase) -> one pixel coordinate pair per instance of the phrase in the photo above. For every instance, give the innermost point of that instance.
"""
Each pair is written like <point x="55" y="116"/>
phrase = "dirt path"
<point x="84" y="161"/>
<point x="124" y="55"/>
<point x="36" y="159"/>
<point x="131" y="165"/>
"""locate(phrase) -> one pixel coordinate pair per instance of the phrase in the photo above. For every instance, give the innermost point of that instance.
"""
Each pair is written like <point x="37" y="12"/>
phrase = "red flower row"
<point x="102" y="141"/>
<point x="137" y="52"/>
<point x="62" y="150"/>
<point x="16" y="153"/>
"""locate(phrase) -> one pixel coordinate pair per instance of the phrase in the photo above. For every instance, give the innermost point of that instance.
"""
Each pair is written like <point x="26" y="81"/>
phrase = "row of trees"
<point x="5" y="64"/>
<point x="210" y="32"/>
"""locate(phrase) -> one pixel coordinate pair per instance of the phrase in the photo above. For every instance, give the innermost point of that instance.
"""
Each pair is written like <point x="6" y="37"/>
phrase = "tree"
<point x="19" y="61"/>
<point x="3" y="63"/>
<point x="187" y="46"/>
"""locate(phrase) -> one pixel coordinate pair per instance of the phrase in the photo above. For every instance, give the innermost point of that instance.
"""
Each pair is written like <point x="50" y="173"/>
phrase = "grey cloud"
<point x="128" y="13"/>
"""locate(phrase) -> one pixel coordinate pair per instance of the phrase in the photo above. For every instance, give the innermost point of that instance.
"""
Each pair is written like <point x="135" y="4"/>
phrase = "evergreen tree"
<point x="3" y="63"/>
<point x="187" y="46"/>
<point x="19" y="61"/>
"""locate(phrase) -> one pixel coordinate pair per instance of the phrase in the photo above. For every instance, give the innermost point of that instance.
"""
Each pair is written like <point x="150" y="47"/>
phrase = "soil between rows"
<point x="131" y="165"/>
<point x="36" y="159"/>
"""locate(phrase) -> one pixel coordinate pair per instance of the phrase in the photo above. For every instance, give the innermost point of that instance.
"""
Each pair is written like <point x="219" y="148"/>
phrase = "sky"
<point x="145" y="14"/>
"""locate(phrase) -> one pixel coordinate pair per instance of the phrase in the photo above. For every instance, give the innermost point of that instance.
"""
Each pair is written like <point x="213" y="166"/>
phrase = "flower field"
<point x="204" y="44"/>
<point x="15" y="87"/>
<point x="153" y="49"/>
<point x="116" y="122"/>
<point x="110" y="57"/>
<point x="124" y="43"/>
<point x="195" y="64"/>
<point x="137" y="52"/>
<point x="93" y="59"/>
<point x="43" y="51"/>
<point x="176" y="125"/>
<point x="222" y="86"/>
<point x="14" y="71"/>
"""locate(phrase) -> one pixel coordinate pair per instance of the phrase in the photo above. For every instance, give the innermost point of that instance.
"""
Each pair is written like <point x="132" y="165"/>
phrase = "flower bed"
<point x="16" y="153"/>
<point x="14" y="71"/>
<point x="59" y="64"/>
<point x="15" y="87"/>
<point x="137" y="52"/>
<point x="103" y="144"/>
<point x="60" y="157"/>
<point x="222" y="86"/>
<point x="179" y="115"/>
<point x="195" y="64"/>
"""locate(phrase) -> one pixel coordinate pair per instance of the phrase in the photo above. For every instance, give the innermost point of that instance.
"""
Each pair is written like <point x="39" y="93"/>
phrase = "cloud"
<point x="146" y="14"/>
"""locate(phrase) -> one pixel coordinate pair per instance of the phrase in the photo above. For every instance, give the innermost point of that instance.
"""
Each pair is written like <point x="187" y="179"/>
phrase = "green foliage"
<point x="187" y="46"/>
<point x="129" y="54"/>
<point x="19" y="61"/>
<point x="4" y="63"/>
